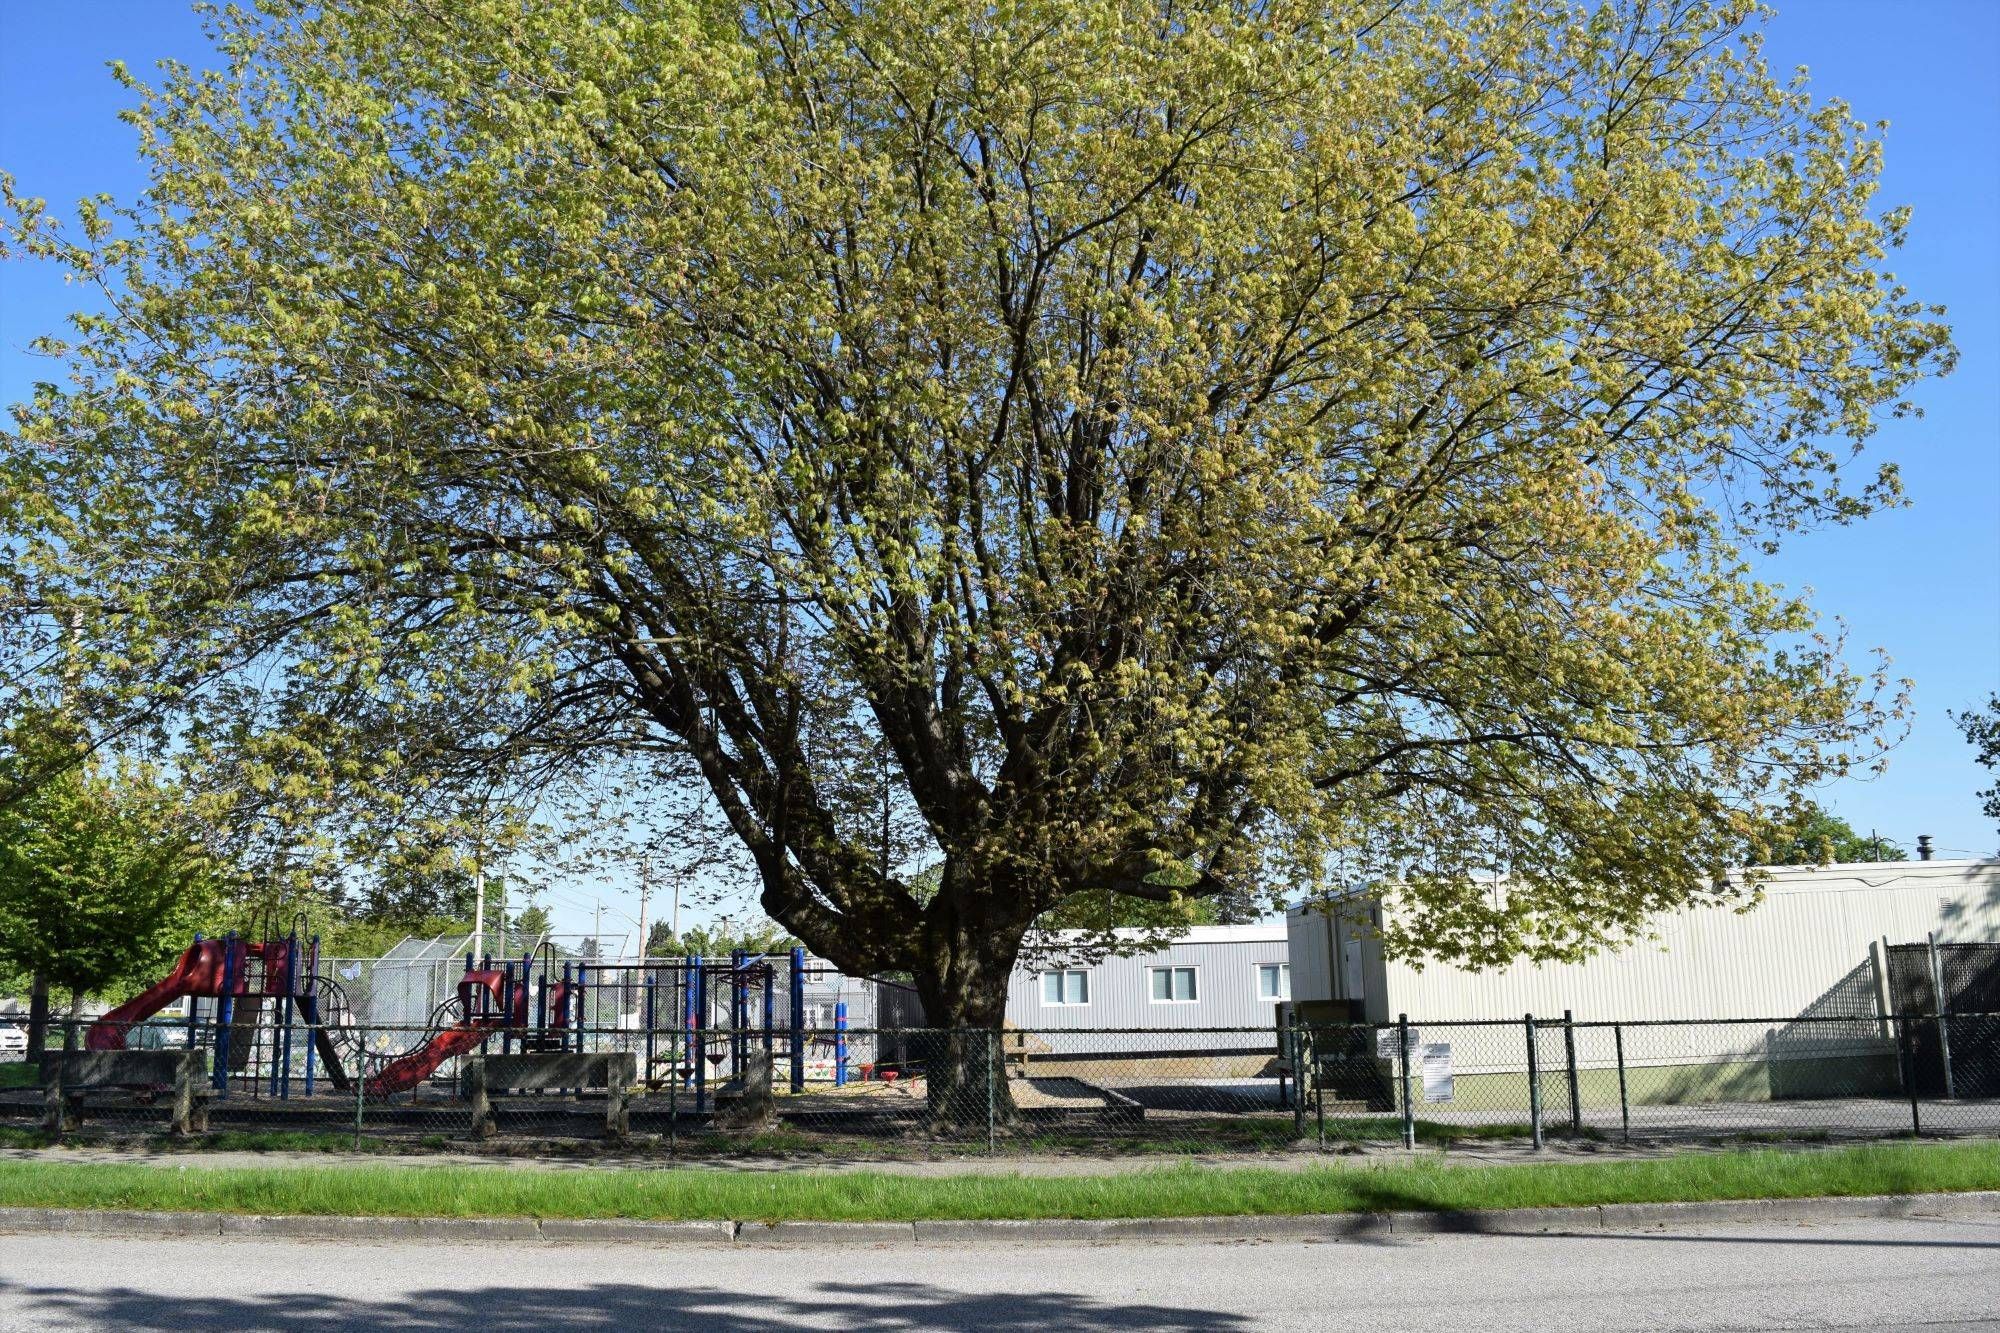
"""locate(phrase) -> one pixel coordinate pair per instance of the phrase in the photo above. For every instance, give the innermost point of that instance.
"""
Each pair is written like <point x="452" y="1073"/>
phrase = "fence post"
<point x="1944" y="1032"/>
<point x="360" y="1084"/>
<point x="1534" y="1084"/>
<point x="1569" y="1058"/>
<point x="1403" y="1045"/>
<point x="1624" y="1104"/>
<point x="1909" y="1045"/>
<point x="992" y="1067"/>
<point x="1283" y="1022"/>
<point x="1295" y="1040"/>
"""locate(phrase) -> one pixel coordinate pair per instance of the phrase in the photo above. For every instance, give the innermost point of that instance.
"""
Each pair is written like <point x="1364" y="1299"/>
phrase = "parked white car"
<point x="13" y="1041"/>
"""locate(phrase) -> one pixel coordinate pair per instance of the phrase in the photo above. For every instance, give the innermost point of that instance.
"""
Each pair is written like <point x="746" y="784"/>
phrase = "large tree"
<point x="1161" y="447"/>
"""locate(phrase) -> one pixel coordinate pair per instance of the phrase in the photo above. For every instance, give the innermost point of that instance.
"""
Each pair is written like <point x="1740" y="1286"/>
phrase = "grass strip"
<point x="1172" y="1191"/>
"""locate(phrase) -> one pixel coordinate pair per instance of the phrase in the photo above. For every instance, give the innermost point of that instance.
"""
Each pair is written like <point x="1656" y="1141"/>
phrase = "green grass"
<point x="1172" y="1191"/>
<point x="18" y="1074"/>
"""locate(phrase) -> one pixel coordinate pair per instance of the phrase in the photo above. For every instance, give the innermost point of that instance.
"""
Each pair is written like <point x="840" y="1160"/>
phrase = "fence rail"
<point x="886" y="1092"/>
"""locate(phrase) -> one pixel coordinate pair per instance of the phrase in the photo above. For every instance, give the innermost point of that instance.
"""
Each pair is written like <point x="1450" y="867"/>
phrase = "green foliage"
<point x="408" y="891"/>
<point x="103" y="878"/>
<point x="534" y="920"/>
<point x="759" y="936"/>
<point x="1982" y="729"/>
<point x="1102" y="911"/>
<point x="1040" y="440"/>
<point x="1814" y="836"/>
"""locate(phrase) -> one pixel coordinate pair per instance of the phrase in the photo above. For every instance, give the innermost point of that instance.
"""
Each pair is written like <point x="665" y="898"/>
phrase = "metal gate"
<point x="1967" y="1022"/>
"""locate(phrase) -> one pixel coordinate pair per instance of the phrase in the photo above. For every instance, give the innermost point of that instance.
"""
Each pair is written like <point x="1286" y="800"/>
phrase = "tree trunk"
<point x="965" y="1007"/>
<point x="73" y="1028"/>
<point x="38" y="1017"/>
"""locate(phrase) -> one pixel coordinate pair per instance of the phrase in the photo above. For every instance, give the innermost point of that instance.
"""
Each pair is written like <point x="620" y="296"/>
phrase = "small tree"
<point x="533" y="922"/>
<point x="760" y="936"/>
<point x="1816" y="836"/>
<point x="1982" y="729"/>
<point x="102" y="880"/>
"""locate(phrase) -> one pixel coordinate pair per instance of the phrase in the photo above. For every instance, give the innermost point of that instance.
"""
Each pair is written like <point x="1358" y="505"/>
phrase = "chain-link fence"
<point x="725" y="1083"/>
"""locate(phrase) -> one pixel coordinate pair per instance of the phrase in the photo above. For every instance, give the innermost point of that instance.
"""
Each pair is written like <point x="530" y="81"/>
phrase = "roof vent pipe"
<point x="1923" y="846"/>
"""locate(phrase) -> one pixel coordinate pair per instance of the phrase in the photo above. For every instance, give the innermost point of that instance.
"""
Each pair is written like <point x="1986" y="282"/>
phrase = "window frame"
<point x="1284" y="971"/>
<point x="1194" y="982"/>
<point x="1062" y="987"/>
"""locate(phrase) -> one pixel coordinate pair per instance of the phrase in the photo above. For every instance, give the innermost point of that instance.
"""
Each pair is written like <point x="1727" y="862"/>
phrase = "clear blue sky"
<point x="1922" y="583"/>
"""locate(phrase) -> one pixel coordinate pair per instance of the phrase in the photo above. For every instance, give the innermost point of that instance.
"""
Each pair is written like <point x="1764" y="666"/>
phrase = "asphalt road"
<point x="1843" y="1275"/>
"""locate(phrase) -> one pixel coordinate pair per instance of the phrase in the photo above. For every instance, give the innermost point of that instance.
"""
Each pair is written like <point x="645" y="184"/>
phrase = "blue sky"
<point x="1922" y="583"/>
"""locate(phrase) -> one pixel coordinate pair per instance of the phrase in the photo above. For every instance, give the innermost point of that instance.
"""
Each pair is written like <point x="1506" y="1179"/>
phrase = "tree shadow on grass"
<point x="861" y="1306"/>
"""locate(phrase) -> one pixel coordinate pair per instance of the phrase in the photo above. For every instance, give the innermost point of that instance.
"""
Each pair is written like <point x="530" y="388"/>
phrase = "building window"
<point x="1274" y="981"/>
<point x="1173" y="985"/>
<point x="1067" y="987"/>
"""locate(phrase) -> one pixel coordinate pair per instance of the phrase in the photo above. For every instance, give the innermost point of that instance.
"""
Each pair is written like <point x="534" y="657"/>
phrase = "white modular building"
<point x="1211" y="991"/>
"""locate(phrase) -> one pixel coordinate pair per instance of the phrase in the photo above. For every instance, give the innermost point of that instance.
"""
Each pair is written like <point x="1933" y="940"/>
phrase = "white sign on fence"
<point x="1385" y="1043"/>
<point x="1437" y="1071"/>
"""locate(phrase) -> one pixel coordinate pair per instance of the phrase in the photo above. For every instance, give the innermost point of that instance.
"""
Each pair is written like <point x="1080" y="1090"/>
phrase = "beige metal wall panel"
<point x="1803" y="951"/>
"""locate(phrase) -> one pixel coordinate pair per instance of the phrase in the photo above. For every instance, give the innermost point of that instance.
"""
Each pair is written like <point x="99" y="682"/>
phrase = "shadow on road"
<point x="524" y="1309"/>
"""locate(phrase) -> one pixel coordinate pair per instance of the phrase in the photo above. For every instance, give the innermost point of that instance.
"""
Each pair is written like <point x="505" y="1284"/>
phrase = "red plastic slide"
<point x="199" y="972"/>
<point x="405" y="1072"/>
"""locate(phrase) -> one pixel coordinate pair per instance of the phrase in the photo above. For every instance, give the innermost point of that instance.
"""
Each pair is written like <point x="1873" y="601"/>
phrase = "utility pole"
<point x="597" y="933"/>
<point x="478" y="907"/>
<point x="645" y="891"/>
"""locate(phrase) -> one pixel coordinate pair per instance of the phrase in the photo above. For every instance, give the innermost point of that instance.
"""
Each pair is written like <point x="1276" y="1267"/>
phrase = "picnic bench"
<point x="482" y="1078"/>
<point x="72" y="1076"/>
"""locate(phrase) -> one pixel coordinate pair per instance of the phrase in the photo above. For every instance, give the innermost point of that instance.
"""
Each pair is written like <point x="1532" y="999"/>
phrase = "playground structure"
<point x="690" y="1023"/>
<point x="279" y="1021"/>
<point x="238" y="976"/>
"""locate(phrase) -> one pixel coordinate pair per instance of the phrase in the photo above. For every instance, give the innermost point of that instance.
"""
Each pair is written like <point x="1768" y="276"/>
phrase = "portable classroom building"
<point x="1210" y="994"/>
<point x="1816" y="948"/>
<point x="1805" y="951"/>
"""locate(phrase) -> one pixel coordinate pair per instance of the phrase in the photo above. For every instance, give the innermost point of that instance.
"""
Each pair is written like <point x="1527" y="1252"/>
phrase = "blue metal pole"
<point x="652" y="990"/>
<point x="687" y="1015"/>
<point x="839" y="1043"/>
<point x="194" y="1005"/>
<point x="798" y="1020"/>
<point x="739" y="1009"/>
<point x="312" y="1041"/>
<point x="277" y="1018"/>
<point x="582" y="1015"/>
<point x="290" y="1003"/>
<point x="700" y="1036"/>
<point x="225" y="1009"/>
<point x="506" y="1008"/>
<point x="770" y="1005"/>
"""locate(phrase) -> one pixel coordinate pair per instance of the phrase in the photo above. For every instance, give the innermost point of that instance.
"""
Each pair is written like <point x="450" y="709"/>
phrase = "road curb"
<point x="626" y="1230"/>
<point x="826" y="1233"/>
<point x="1045" y="1231"/>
